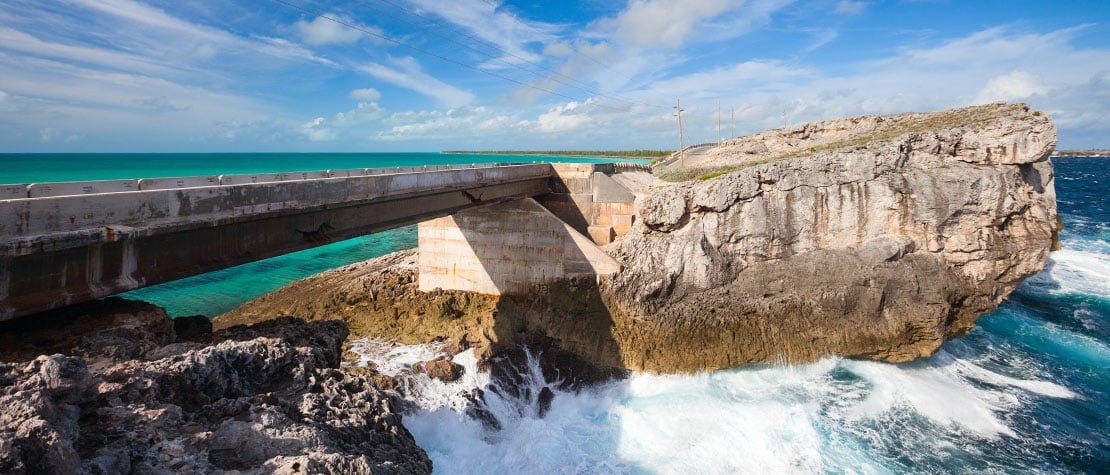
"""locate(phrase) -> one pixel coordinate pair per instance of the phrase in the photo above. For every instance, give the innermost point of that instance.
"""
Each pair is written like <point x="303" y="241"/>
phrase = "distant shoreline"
<point x="649" y="154"/>
<point x="1098" y="152"/>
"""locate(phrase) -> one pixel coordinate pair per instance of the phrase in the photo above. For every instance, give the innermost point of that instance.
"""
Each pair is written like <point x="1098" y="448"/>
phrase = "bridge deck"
<point x="63" y="243"/>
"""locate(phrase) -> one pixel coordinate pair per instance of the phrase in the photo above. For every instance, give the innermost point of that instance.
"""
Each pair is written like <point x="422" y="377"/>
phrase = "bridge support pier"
<point x="505" y="249"/>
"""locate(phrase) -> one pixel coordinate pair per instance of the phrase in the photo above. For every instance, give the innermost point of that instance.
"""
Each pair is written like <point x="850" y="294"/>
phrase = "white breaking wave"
<point x="1076" y="271"/>
<point x="792" y="419"/>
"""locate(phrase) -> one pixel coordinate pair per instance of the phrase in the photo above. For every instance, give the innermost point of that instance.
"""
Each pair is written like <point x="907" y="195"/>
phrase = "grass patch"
<point x="891" y="128"/>
<point x="657" y="154"/>
<point x="702" y="174"/>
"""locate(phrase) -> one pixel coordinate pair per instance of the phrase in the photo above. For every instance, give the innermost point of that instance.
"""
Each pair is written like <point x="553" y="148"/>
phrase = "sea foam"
<point x="780" y="419"/>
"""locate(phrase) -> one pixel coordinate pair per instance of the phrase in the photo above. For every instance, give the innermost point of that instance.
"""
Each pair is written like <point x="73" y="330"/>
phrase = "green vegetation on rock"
<point x="571" y="153"/>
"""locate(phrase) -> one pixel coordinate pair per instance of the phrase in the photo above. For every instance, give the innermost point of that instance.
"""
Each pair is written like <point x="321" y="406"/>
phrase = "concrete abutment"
<point x="62" y="244"/>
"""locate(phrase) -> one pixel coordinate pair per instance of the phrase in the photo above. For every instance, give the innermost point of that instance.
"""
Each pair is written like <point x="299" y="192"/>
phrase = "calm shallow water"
<point x="1024" y="392"/>
<point x="218" y="292"/>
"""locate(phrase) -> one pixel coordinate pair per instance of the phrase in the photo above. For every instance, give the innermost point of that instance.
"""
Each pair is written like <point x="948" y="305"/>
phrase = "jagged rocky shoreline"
<point x="876" y="237"/>
<point x="116" y="386"/>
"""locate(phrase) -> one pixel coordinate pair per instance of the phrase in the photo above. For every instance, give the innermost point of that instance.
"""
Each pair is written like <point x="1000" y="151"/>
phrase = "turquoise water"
<point x="1024" y="392"/>
<point x="217" y="292"/>
<point x="49" y="167"/>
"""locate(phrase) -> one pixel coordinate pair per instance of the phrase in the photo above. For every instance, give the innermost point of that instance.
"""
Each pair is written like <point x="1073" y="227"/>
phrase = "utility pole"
<point x="784" y="124"/>
<point x="681" y="153"/>
<point x="718" y="123"/>
<point x="732" y="123"/>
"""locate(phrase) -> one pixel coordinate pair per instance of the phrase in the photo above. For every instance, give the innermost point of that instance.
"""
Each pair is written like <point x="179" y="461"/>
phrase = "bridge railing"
<point x="73" y="188"/>
<point x="119" y="205"/>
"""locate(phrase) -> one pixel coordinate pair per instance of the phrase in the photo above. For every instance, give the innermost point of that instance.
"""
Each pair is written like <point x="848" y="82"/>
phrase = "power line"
<point x="451" y="60"/>
<point x="423" y="51"/>
<point x="513" y="19"/>
<point x="574" y="83"/>
<point x="530" y="27"/>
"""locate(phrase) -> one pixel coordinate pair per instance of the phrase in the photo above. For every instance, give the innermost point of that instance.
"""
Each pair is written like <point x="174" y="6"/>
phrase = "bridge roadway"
<point x="65" y="243"/>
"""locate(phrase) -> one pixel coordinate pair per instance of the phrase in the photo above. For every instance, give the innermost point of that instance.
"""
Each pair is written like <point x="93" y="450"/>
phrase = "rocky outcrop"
<point x="442" y="369"/>
<point x="890" y="237"/>
<point x="262" y="399"/>
<point x="876" y="237"/>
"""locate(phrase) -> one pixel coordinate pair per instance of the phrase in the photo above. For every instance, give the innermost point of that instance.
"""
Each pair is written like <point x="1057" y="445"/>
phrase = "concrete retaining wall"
<point x="505" y="249"/>
<point x="587" y="198"/>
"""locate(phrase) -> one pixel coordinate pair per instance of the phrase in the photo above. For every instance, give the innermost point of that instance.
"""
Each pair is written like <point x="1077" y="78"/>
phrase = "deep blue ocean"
<point x="1025" y="392"/>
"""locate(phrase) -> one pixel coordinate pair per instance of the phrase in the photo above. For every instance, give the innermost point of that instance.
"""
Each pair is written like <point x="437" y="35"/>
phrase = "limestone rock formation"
<point x="887" y="237"/>
<point x="876" y="237"/>
<point x="441" y="369"/>
<point x="264" y="399"/>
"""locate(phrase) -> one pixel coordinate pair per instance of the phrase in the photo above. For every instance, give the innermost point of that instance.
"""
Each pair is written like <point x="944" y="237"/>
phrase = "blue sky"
<point x="428" y="75"/>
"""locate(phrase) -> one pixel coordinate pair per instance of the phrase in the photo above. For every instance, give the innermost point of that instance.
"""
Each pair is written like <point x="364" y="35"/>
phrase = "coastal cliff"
<point x="877" y="237"/>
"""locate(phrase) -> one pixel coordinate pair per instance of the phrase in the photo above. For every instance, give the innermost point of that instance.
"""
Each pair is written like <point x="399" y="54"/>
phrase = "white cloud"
<point x="749" y="76"/>
<point x="7" y="102"/>
<point x="322" y="31"/>
<point x="408" y="74"/>
<point x="1014" y="86"/>
<point x="465" y="123"/>
<point x="49" y="134"/>
<point x="365" y="95"/>
<point x="317" y="132"/>
<point x="564" y="118"/>
<point x="22" y="42"/>
<point x="669" y="24"/>
<point x="487" y="22"/>
<point x="345" y="124"/>
<point x="821" y="38"/>
<point x="363" y="113"/>
<point x="165" y="39"/>
<point x="666" y="23"/>
<point x="849" y="7"/>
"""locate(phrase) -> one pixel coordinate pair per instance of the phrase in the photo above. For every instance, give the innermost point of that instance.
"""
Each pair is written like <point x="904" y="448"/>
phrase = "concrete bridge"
<point x="65" y="243"/>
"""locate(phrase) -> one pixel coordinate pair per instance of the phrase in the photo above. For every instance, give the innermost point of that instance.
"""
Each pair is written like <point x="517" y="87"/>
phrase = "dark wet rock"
<point x="478" y="410"/>
<point x="195" y="328"/>
<point x="111" y="328"/>
<point x="263" y="399"/>
<point x="441" y="369"/>
<point x="543" y="401"/>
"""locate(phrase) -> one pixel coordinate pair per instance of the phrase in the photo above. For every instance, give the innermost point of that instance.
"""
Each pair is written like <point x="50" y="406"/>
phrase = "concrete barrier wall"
<point x="46" y="190"/>
<point x="72" y="188"/>
<point x="154" y="236"/>
<point x="504" y="249"/>
<point x="587" y="198"/>
<point x="28" y="217"/>
<point x="183" y="182"/>
<point x="12" y="192"/>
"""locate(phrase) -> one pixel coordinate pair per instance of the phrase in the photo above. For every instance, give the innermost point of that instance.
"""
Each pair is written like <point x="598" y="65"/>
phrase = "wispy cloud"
<point x="406" y="72"/>
<point x="849" y="7"/>
<point x="486" y="21"/>
<point x="330" y="30"/>
<point x="670" y="24"/>
<point x="367" y="94"/>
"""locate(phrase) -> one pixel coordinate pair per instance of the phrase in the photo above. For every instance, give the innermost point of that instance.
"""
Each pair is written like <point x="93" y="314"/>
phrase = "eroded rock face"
<point x="877" y="237"/>
<point x="881" y="249"/>
<point x="264" y="399"/>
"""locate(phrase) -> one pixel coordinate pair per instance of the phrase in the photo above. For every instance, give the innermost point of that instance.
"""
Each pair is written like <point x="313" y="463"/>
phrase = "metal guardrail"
<point x="74" y="188"/>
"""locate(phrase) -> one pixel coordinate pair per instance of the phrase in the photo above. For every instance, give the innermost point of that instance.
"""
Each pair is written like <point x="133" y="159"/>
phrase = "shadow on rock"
<point x="267" y="398"/>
